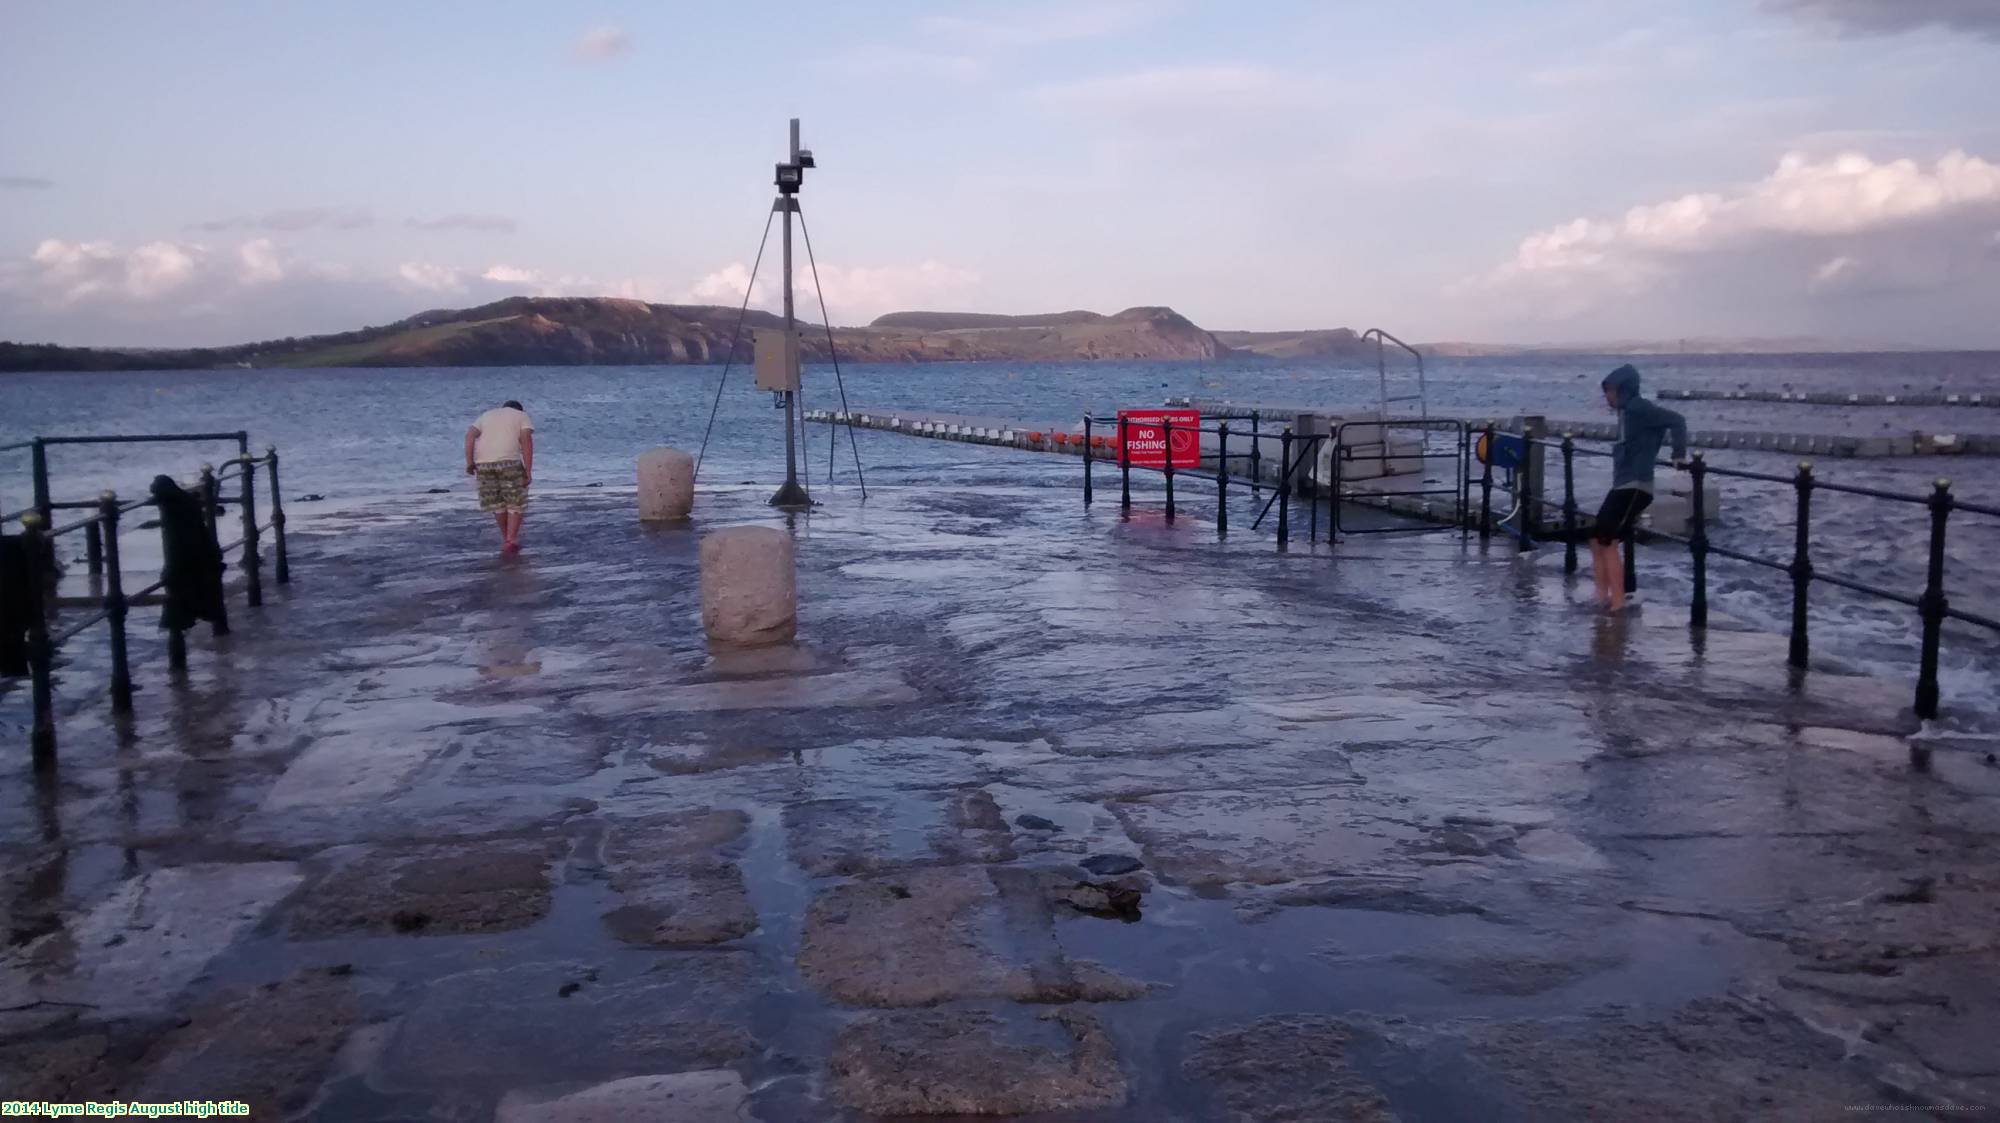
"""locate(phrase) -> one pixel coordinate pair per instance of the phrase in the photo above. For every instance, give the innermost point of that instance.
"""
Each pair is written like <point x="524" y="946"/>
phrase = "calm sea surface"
<point x="361" y="437"/>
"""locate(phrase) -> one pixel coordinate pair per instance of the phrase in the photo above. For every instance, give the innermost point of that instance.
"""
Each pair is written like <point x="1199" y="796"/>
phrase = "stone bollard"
<point x="666" y="484"/>
<point x="749" y="586"/>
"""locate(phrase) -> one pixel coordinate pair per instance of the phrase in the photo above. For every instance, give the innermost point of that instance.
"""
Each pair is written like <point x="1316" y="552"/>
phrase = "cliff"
<point x="525" y="331"/>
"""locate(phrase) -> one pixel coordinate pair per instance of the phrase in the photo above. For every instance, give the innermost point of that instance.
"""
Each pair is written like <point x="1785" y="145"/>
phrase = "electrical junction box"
<point x="777" y="359"/>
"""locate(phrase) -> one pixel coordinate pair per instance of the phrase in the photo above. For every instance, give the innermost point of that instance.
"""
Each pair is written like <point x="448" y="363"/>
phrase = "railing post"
<point x="1124" y="464"/>
<point x="1933" y="604"/>
<point x="1698" y="542"/>
<point x="40" y="464"/>
<point x="211" y="508"/>
<point x="1285" y="488"/>
<point x="41" y="654"/>
<point x="284" y="566"/>
<point x="253" y="562"/>
<point x="1167" y="458"/>
<point x="93" y="550"/>
<point x="1222" y="479"/>
<point x="1569" y="503"/>
<point x="1528" y="483"/>
<point x="1801" y="568"/>
<point x="1333" y="500"/>
<point x="1464" y="482"/>
<point x="1256" y="456"/>
<point x="1486" y="487"/>
<point x="1087" y="460"/>
<point x="114" y="605"/>
<point x="1312" y="509"/>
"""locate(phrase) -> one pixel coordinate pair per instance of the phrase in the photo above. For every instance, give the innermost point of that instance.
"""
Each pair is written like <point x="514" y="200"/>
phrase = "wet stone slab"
<point x="539" y="1024"/>
<point x="933" y="934"/>
<point x="1284" y="1067"/>
<point x="269" y="1046"/>
<point x="427" y="890"/>
<point x="675" y="880"/>
<point x="138" y="947"/>
<point x="944" y="1062"/>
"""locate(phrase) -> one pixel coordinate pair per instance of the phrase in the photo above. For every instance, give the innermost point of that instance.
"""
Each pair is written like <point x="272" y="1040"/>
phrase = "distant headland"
<point x="580" y="331"/>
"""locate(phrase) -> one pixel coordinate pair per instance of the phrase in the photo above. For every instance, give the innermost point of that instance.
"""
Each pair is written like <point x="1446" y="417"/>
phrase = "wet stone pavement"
<point x="1048" y="814"/>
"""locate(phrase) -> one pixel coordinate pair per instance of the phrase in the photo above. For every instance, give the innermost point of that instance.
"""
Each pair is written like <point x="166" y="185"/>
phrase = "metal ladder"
<point x="1421" y="397"/>
<point x="1380" y="450"/>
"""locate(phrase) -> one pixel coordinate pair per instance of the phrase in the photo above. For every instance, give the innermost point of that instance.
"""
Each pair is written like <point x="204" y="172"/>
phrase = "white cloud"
<point x="261" y="262"/>
<point x="66" y="272"/>
<point x="725" y="286"/>
<point x="854" y="293"/>
<point x="510" y="275"/>
<point x="1845" y="244"/>
<point x="430" y="276"/>
<point x="601" y="44"/>
<point x="1845" y="195"/>
<point x="1830" y="273"/>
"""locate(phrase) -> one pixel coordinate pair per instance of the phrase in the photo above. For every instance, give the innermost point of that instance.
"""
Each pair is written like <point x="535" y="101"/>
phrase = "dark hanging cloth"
<point x="17" y="606"/>
<point x="193" y="572"/>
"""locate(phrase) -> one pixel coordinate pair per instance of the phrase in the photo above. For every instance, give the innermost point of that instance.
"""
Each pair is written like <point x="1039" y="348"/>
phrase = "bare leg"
<point x="1597" y="571"/>
<point x="1615" y="576"/>
<point x="500" y="520"/>
<point x="514" y="527"/>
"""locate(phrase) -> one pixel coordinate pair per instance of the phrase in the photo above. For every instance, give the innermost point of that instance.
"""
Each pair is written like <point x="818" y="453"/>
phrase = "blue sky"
<point x="1448" y="169"/>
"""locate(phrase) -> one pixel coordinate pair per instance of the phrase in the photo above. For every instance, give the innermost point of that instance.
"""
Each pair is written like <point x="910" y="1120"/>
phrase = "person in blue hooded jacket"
<point x="1642" y="427"/>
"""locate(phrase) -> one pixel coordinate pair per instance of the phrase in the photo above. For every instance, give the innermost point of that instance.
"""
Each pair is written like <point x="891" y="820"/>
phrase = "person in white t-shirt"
<point x="500" y="451"/>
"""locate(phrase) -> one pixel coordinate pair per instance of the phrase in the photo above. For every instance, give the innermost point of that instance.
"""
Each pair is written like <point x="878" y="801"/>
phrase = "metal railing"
<point x="1932" y="605"/>
<point x="101" y="530"/>
<point x="1459" y="491"/>
<point x="1295" y="452"/>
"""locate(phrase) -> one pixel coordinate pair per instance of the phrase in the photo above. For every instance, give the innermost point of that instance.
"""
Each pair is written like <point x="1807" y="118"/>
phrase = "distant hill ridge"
<point x="567" y="331"/>
<point x="557" y="331"/>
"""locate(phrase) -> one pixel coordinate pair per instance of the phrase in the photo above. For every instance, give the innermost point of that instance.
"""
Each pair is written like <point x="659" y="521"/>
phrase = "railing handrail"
<point x="1818" y="484"/>
<point x="137" y="438"/>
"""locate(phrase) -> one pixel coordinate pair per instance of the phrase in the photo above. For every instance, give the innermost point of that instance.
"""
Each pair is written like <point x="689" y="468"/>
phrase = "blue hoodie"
<point x="1642" y="428"/>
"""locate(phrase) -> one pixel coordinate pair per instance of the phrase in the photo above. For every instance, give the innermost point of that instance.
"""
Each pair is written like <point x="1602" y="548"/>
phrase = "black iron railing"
<point x="1932" y="605"/>
<point x="1530" y="517"/>
<point x="1281" y="489"/>
<point x="101" y="533"/>
<point x="1295" y="452"/>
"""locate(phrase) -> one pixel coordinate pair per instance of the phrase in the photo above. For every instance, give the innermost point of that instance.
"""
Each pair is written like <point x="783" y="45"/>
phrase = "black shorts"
<point x="1619" y="514"/>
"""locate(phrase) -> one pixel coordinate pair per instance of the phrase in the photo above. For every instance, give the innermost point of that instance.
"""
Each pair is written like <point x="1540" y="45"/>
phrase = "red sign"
<point x="1146" y="437"/>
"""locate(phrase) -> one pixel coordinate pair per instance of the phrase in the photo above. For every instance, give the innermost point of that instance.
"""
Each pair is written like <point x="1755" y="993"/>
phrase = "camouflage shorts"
<point x="503" y="486"/>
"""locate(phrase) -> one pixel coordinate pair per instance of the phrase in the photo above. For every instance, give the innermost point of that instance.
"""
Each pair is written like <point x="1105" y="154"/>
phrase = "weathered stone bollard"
<point x="666" y="484"/>
<point x="749" y="586"/>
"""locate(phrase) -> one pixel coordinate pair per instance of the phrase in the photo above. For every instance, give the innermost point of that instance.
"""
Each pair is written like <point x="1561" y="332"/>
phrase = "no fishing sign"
<point x="1146" y="444"/>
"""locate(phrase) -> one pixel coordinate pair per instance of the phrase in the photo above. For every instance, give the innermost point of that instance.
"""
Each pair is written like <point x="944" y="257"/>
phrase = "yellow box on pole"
<point x="777" y="359"/>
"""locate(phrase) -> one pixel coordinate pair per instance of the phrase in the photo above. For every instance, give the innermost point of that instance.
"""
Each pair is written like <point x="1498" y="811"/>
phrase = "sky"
<point x="1490" y="170"/>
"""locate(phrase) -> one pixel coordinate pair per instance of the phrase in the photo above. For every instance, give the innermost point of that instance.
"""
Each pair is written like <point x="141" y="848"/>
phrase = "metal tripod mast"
<point x="791" y="176"/>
